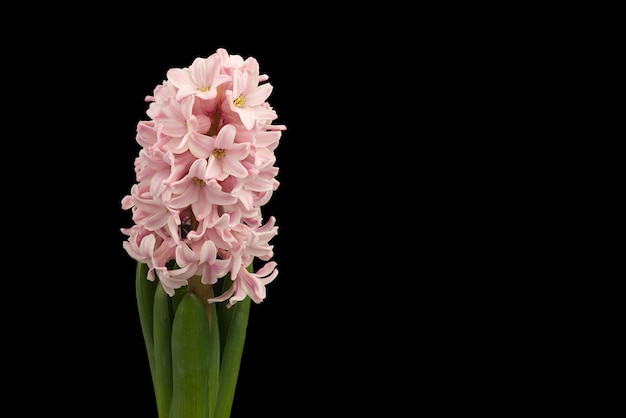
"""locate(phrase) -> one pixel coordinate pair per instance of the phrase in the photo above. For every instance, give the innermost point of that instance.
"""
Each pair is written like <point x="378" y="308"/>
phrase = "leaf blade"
<point x="144" y="292"/>
<point x="190" y="359"/>
<point x="231" y="358"/>
<point x="162" y="351"/>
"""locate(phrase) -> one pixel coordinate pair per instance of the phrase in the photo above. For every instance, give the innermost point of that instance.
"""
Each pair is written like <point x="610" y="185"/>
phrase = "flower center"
<point x="203" y="88"/>
<point x="240" y="101"/>
<point x="219" y="153"/>
<point x="199" y="182"/>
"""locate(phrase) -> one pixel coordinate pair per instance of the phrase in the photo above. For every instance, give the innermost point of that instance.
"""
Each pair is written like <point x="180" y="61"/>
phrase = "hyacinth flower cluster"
<point x="205" y="169"/>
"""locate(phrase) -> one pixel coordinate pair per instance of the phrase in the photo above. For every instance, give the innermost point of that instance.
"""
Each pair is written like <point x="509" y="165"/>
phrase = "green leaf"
<point x="144" y="290"/>
<point x="231" y="356"/>
<point x="162" y="351"/>
<point x="190" y="359"/>
<point x="225" y="314"/>
<point x="214" y="356"/>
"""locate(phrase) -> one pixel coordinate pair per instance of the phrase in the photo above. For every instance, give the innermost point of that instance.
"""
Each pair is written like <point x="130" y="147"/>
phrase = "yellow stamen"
<point x="199" y="182"/>
<point x="240" y="101"/>
<point x="219" y="153"/>
<point x="203" y="88"/>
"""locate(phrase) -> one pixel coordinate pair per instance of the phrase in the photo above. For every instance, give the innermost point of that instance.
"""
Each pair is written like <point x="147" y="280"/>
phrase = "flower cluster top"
<point x="205" y="168"/>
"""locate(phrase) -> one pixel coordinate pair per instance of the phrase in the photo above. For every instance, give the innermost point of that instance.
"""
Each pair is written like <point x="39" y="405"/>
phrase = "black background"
<point x="286" y="347"/>
<point x="309" y="344"/>
<point x="408" y="233"/>
<point x="274" y="343"/>
<point x="352" y="322"/>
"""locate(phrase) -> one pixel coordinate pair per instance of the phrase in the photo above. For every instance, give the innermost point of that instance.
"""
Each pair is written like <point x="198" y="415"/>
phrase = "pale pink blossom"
<point x="151" y="211"/>
<point x="183" y="129"/>
<point x="246" y="99"/>
<point x="146" y="134"/>
<point x="218" y="229"/>
<point x="199" y="190"/>
<point x="225" y="155"/>
<point x="201" y="79"/>
<point x="232" y="62"/>
<point x="205" y="169"/>
<point x="249" y="284"/>
<point x="203" y="256"/>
